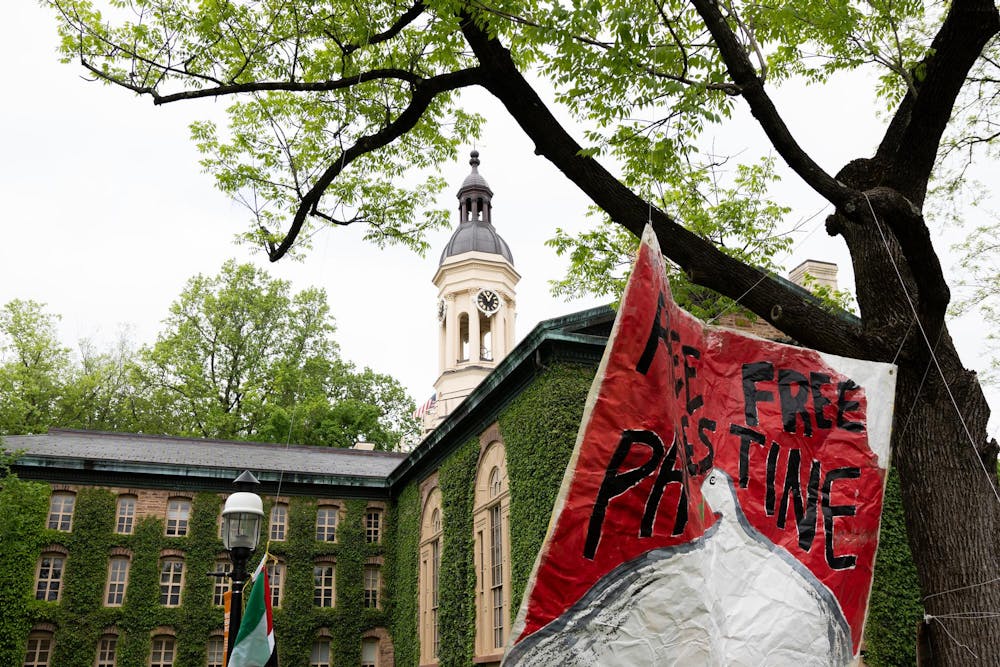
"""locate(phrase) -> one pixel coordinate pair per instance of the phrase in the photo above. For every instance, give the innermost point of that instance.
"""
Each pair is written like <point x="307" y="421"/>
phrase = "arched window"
<point x="326" y="523"/>
<point x="125" y="514"/>
<point x="118" y="568"/>
<point x="61" y="506"/>
<point x="178" y="516"/>
<point x="324" y="583"/>
<point x="49" y="575"/>
<point x="431" y="535"/>
<point x="463" y="337"/>
<point x="279" y="522"/>
<point x="162" y="650"/>
<point x="215" y="650"/>
<point x="171" y="581"/>
<point x="39" y="650"/>
<point x="320" y="654"/>
<point x="369" y="652"/>
<point x="373" y="585"/>
<point x="221" y="585"/>
<point x="486" y="336"/>
<point x="107" y="650"/>
<point x="491" y="518"/>
<point x="276" y="578"/>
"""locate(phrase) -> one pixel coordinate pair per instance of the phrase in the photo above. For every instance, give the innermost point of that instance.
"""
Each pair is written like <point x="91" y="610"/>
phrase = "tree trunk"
<point x="953" y="514"/>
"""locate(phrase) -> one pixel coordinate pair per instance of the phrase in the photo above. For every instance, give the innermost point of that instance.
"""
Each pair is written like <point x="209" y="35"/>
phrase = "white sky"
<point x="105" y="213"/>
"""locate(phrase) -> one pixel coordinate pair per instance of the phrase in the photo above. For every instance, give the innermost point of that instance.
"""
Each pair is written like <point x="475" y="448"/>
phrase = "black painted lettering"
<point x="844" y="406"/>
<point x="747" y="437"/>
<point x="706" y="426"/>
<point x="760" y="371"/>
<point x="617" y="481"/>
<point x="692" y="402"/>
<point x="805" y="516"/>
<point x="669" y="474"/>
<point x="831" y="512"/>
<point x="793" y="393"/>
<point x="816" y="382"/>
<point x="772" y="464"/>
<point x="657" y="334"/>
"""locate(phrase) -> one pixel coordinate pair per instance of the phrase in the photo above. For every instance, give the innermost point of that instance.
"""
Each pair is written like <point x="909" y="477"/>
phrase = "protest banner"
<point x="722" y="503"/>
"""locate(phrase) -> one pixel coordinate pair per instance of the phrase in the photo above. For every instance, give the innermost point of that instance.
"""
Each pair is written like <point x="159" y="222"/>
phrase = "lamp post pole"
<point x="241" y="518"/>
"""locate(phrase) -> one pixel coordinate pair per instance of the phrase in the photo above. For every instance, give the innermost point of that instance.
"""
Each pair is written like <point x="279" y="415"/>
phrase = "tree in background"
<point x="34" y="368"/>
<point x="240" y="357"/>
<point x="332" y="104"/>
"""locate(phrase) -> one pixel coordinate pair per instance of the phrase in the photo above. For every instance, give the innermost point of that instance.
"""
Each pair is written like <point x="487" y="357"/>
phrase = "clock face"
<point x="442" y="309"/>
<point x="488" y="301"/>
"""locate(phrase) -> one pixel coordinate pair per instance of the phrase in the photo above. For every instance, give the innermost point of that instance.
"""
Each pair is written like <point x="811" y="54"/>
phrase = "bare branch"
<point x="424" y="93"/>
<point x="404" y="20"/>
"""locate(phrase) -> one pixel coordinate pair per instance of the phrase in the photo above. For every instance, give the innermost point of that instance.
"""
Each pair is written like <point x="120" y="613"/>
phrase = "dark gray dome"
<point x="476" y="236"/>
<point x="475" y="231"/>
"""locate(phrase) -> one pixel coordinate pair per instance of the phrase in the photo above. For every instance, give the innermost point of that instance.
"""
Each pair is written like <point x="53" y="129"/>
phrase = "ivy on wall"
<point x="80" y="616"/>
<point x="402" y="541"/>
<point x="895" y="607"/>
<point x="457" y="610"/>
<point x="539" y="430"/>
<point x="23" y="512"/>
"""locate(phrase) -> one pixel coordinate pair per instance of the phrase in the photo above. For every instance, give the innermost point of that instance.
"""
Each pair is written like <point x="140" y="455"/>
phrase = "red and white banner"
<point x="722" y="503"/>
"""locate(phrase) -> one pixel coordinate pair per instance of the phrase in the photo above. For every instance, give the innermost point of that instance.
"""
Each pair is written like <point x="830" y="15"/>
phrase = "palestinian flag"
<point x="255" y="641"/>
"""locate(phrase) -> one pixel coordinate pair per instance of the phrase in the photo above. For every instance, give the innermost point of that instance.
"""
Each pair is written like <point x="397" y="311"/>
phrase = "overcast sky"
<point x="106" y="213"/>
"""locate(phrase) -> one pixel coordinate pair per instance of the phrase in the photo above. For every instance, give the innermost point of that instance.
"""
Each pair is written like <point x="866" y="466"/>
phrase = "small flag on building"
<point x="255" y="640"/>
<point x="426" y="407"/>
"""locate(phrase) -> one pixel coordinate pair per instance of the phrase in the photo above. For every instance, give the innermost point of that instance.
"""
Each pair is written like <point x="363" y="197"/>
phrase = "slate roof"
<point x="114" y="449"/>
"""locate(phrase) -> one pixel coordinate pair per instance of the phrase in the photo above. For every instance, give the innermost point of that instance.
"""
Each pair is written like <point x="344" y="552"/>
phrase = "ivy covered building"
<point x="108" y="540"/>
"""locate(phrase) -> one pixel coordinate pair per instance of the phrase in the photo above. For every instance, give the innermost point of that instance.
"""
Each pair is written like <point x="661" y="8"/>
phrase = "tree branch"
<point x="910" y="145"/>
<point x="289" y="86"/>
<point x="744" y="75"/>
<point x="408" y="17"/>
<point x="424" y="92"/>
<point x="777" y="301"/>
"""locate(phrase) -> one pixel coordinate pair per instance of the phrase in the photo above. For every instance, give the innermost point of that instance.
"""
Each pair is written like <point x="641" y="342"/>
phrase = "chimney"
<point x="824" y="273"/>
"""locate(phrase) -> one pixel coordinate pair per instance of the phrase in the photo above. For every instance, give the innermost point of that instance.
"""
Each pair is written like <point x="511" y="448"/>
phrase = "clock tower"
<point x="476" y="299"/>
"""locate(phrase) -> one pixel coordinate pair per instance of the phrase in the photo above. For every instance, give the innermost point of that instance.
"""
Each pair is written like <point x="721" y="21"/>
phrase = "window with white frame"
<point x="161" y="651"/>
<point x="61" y="506"/>
<point x="276" y="579"/>
<point x="107" y="651"/>
<point x="49" y="575"/>
<point x="492" y="551"/>
<point x="118" y="568"/>
<point x="125" y="515"/>
<point x="326" y="523"/>
<point x="324" y="585"/>
<point x="373" y="586"/>
<point x="373" y="525"/>
<point x="320" y="656"/>
<point x="279" y="522"/>
<point x="221" y="583"/>
<point x="39" y="649"/>
<point x="171" y="581"/>
<point x="216" y="651"/>
<point x="369" y="652"/>
<point x="429" y="577"/>
<point x="178" y="516"/>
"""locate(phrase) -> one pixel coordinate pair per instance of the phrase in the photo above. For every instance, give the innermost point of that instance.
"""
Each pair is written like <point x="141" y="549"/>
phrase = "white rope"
<point x="962" y="588"/>
<point x="943" y="627"/>
<point x="737" y="301"/>
<point x="930" y="348"/>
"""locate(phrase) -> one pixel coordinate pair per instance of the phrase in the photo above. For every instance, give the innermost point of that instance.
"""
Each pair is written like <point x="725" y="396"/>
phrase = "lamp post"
<point x="241" y="517"/>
